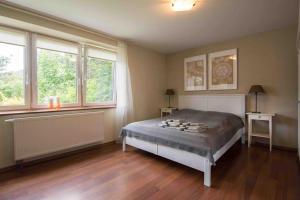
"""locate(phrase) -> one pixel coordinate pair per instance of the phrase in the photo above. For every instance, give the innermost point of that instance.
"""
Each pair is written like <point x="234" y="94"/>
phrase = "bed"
<point x="223" y="115"/>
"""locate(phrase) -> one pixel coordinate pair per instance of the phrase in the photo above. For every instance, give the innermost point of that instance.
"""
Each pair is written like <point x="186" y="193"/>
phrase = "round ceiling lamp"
<point x="183" y="5"/>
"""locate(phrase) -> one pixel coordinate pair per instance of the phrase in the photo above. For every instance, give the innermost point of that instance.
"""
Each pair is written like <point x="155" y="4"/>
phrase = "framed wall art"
<point x="222" y="70"/>
<point x="195" y="73"/>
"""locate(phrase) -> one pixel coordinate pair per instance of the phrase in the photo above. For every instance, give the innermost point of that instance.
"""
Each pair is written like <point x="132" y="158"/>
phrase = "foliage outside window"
<point x="11" y="75"/>
<point x="12" y="68"/>
<point x="56" y="76"/>
<point x="99" y="79"/>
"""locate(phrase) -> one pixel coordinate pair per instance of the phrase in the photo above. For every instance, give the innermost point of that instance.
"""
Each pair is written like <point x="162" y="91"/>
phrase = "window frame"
<point x="34" y="82"/>
<point x="30" y="75"/>
<point x="26" y="73"/>
<point x="84" y="82"/>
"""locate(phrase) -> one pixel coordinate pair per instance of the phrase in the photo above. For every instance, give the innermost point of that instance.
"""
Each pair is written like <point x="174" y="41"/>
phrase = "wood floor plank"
<point x="108" y="173"/>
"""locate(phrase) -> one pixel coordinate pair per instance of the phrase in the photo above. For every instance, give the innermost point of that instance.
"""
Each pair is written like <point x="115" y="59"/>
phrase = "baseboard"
<point x="282" y="148"/>
<point x="6" y="169"/>
<point x="54" y="156"/>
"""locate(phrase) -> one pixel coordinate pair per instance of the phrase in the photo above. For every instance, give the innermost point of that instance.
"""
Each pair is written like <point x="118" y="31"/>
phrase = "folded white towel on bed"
<point x="175" y="120"/>
<point x="174" y="123"/>
<point x="193" y="127"/>
<point x="179" y="124"/>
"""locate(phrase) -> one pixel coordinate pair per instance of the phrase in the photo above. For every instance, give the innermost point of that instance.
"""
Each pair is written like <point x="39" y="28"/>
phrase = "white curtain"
<point x="124" y="110"/>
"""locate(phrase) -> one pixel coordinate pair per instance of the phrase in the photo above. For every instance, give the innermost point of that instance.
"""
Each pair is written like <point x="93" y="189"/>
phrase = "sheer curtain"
<point x="124" y="110"/>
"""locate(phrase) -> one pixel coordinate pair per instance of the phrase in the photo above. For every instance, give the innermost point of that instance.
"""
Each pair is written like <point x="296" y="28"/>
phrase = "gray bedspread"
<point x="221" y="128"/>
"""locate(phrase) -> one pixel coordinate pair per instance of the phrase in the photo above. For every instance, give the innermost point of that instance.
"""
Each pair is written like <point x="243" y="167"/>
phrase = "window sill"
<point x="31" y="111"/>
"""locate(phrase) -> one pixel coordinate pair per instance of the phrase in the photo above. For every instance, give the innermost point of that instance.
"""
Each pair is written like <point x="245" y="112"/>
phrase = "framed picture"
<point x="222" y="70"/>
<point x="195" y="73"/>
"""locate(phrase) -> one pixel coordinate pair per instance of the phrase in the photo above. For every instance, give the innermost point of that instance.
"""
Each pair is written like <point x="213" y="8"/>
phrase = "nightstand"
<point x="260" y="117"/>
<point x="166" y="111"/>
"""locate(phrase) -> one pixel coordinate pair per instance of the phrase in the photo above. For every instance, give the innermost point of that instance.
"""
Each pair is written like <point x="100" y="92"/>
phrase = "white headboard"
<point x="230" y="103"/>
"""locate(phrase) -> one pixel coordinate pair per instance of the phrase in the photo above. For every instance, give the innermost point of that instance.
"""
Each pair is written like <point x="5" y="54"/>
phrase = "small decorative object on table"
<point x="256" y="89"/>
<point x="264" y="117"/>
<point x="166" y="111"/>
<point x="170" y="92"/>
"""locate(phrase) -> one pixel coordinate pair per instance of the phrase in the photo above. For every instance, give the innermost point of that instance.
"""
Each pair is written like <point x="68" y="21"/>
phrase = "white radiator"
<point x="38" y="136"/>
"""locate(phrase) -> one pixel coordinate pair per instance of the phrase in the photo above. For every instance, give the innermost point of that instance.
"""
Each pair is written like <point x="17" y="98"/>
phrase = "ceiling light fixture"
<point x="183" y="5"/>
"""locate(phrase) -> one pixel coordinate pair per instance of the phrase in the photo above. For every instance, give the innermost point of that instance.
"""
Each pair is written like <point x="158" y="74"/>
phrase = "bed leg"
<point x="243" y="136"/>
<point x="207" y="173"/>
<point x="124" y="144"/>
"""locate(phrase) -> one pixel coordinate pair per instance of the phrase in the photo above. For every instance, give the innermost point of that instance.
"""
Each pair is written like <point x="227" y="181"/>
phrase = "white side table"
<point x="262" y="117"/>
<point x="166" y="111"/>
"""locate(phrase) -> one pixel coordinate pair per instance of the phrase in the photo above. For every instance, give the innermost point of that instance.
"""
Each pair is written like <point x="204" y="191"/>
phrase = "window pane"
<point x="56" y="76"/>
<point x="11" y="75"/>
<point x="99" y="83"/>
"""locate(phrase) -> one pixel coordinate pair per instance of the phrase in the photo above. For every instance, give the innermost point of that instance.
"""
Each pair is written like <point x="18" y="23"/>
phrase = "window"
<point x="35" y="68"/>
<point x="100" y="73"/>
<point x="57" y="73"/>
<point x="13" y="88"/>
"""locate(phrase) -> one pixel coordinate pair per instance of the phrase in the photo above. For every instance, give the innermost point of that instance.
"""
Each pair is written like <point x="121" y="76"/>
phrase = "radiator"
<point x="36" y="137"/>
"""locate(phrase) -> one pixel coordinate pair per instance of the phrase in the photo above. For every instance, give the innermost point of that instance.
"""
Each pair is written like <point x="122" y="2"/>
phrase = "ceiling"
<point x="152" y="23"/>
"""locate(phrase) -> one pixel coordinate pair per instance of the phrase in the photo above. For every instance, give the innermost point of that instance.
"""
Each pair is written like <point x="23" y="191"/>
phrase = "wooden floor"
<point x="108" y="173"/>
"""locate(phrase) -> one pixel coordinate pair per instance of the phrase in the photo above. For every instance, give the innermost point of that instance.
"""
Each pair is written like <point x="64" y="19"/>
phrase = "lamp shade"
<point x="170" y="92"/>
<point x="256" y="89"/>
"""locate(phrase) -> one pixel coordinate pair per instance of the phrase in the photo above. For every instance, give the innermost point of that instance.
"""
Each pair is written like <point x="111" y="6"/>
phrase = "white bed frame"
<point x="234" y="103"/>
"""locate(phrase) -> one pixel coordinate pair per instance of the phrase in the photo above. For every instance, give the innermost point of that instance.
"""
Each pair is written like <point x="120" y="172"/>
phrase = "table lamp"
<point x="170" y="92"/>
<point x="256" y="89"/>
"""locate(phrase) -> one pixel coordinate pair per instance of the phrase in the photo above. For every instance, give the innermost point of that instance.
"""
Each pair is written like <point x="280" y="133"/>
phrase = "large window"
<point x="12" y="68"/>
<point x="57" y="71"/>
<point x="100" y="68"/>
<point x="33" y="73"/>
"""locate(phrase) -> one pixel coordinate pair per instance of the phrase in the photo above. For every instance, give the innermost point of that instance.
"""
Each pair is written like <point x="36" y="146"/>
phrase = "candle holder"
<point x="57" y="103"/>
<point x="51" y="102"/>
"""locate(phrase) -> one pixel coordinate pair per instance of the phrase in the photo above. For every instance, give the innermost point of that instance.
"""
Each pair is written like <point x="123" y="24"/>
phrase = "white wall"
<point x="148" y="79"/>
